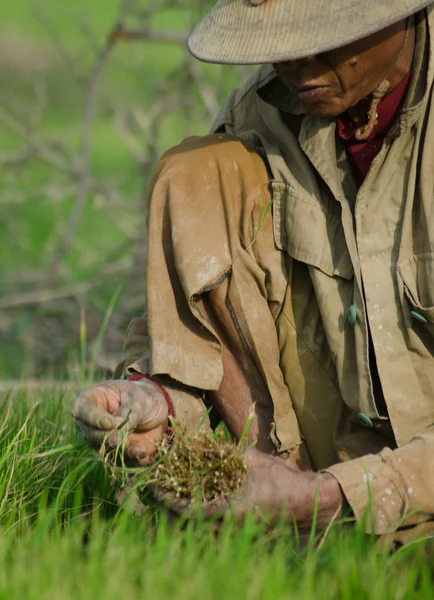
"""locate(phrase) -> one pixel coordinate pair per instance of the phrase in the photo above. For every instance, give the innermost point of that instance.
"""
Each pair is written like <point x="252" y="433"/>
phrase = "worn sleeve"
<point x="392" y="489"/>
<point x="190" y="410"/>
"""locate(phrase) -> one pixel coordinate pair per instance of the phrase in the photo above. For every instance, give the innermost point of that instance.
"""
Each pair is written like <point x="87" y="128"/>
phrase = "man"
<point x="291" y="266"/>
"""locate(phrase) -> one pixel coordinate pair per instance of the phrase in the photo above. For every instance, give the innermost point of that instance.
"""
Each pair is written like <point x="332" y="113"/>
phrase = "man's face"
<point x="331" y="83"/>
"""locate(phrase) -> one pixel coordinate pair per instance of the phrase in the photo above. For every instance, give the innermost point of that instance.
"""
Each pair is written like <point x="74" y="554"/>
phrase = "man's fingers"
<point x="143" y="414"/>
<point x="144" y="445"/>
<point x="140" y="449"/>
<point x="85" y="409"/>
<point x="128" y="417"/>
<point x="122" y="405"/>
<point x="141" y="446"/>
<point x="124" y="418"/>
<point x="122" y="415"/>
<point x="132" y="448"/>
<point x="169" y="500"/>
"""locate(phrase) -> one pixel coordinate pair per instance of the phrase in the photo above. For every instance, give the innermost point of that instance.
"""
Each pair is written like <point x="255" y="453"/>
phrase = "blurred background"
<point x="91" y="94"/>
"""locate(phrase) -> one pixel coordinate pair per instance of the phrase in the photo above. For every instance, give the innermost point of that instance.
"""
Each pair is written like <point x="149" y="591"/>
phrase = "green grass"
<point x="62" y="536"/>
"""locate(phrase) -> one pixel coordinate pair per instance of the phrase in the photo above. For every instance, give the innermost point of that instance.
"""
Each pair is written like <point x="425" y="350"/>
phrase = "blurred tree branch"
<point x="69" y="176"/>
<point x="120" y="33"/>
<point x="84" y="163"/>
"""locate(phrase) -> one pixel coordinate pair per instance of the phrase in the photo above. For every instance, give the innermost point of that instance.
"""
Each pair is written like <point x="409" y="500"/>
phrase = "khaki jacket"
<point x="343" y="263"/>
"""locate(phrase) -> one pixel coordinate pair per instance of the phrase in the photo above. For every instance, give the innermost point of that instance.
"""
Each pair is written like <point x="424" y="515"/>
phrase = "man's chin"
<point x="330" y="111"/>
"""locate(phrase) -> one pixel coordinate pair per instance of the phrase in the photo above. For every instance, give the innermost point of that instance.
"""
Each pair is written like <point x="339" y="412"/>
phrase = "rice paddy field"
<point x="62" y="535"/>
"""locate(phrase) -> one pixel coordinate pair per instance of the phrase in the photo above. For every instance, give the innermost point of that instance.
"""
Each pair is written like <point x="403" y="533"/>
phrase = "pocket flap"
<point x="309" y="232"/>
<point x="417" y="274"/>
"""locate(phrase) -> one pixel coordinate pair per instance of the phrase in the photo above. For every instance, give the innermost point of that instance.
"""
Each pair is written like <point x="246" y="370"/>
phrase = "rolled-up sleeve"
<point x="392" y="489"/>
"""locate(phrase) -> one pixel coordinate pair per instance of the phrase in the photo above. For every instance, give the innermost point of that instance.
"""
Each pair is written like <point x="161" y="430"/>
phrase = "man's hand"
<point x="272" y="490"/>
<point x="104" y="412"/>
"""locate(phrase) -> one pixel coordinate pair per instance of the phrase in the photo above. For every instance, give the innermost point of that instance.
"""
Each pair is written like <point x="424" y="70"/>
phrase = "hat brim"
<point x="237" y="32"/>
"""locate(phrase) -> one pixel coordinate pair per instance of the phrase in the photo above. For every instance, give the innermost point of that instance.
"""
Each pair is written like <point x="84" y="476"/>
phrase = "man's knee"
<point x="207" y="206"/>
<point x="217" y="154"/>
<point x="217" y="182"/>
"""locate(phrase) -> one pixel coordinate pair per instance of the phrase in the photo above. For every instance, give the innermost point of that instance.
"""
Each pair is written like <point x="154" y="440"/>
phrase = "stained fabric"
<point x="309" y="278"/>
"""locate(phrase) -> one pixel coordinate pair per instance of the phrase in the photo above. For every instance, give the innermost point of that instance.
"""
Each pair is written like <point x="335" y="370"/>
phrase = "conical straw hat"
<point x="266" y="31"/>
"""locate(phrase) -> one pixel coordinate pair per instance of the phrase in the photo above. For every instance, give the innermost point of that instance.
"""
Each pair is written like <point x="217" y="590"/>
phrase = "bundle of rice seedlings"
<point x="186" y="472"/>
<point x="200" y="469"/>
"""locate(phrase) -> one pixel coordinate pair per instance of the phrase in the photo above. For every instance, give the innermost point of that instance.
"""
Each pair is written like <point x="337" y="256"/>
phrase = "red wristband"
<point x="139" y="376"/>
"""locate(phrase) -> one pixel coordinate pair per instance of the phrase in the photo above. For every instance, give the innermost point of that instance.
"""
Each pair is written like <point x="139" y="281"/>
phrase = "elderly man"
<point x="291" y="265"/>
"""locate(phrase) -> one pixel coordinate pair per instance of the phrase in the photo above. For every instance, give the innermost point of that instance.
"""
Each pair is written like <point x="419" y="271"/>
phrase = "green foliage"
<point x="44" y="107"/>
<point x="61" y="536"/>
<point x="44" y="462"/>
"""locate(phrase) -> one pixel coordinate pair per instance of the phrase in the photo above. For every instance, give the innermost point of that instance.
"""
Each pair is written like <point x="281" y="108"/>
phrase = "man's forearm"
<point x="331" y="500"/>
<point x="320" y="502"/>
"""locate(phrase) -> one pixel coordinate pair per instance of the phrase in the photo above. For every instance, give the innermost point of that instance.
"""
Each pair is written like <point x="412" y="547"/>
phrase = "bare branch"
<point x="168" y="37"/>
<point x="17" y="158"/>
<point x="69" y="291"/>
<point x="84" y="167"/>
<point x="206" y="91"/>
<point x="63" y="172"/>
<point x="41" y="148"/>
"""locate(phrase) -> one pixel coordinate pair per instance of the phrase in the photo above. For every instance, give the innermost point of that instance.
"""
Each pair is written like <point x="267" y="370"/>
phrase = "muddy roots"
<point x="202" y="469"/>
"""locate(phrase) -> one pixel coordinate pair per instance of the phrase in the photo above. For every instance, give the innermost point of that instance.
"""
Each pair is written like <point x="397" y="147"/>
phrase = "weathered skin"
<point x="350" y="74"/>
<point x="104" y="412"/>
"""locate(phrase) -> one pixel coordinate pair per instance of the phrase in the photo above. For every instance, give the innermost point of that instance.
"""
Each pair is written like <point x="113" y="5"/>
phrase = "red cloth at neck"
<point x="361" y="154"/>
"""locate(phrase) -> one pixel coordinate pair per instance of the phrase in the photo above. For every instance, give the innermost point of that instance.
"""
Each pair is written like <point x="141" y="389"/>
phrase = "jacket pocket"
<point x="417" y="275"/>
<point x="309" y="231"/>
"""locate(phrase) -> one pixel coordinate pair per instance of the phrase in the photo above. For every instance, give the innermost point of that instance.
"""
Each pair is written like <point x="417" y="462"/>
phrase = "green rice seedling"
<point x="61" y="535"/>
<point x="43" y="460"/>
